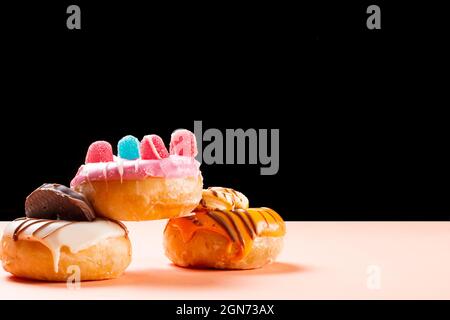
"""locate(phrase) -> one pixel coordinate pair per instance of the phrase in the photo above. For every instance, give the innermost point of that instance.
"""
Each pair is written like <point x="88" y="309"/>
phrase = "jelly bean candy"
<point x="99" y="151"/>
<point x="152" y="147"/>
<point x="183" y="143"/>
<point x="128" y="148"/>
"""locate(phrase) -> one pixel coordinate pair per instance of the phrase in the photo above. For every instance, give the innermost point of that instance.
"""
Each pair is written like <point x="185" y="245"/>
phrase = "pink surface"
<point x="321" y="260"/>
<point x="171" y="167"/>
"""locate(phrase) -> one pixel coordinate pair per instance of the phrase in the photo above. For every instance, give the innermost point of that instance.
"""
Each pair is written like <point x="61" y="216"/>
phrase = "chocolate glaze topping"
<point x="54" y="201"/>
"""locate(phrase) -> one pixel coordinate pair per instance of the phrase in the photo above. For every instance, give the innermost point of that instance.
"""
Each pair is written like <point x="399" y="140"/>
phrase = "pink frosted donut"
<point x="154" y="186"/>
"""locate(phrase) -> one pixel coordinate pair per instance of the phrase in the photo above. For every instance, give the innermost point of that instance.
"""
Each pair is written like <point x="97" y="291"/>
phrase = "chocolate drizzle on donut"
<point x="194" y="220"/>
<point x="249" y="217"/>
<point x="17" y="230"/>
<point x="225" y="220"/>
<point x="214" y="192"/>
<point x="48" y="227"/>
<point x="232" y="191"/>
<point x="222" y="223"/>
<point x="233" y="223"/>
<point x="121" y="224"/>
<point x="222" y="198"/>
<point x="249" y="221"/>
<point x="45" y="225"/>
<point x="251" y="232"/>
<point x="28" y="222"/>
<point x="23" y="226"/>
<point x="263" y="216"/>
<point x="51" y="231"/>
<point x="269" y="212"/>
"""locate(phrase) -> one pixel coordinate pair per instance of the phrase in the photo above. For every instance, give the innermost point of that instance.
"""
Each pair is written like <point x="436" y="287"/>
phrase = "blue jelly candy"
<point x="128" y="148"/>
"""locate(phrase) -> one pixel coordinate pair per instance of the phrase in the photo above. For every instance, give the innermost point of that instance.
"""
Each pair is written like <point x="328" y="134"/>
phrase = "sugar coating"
<point x="183" y="143"/>
<point x="152" y="147"/>
<point x="99" y="151"/>
<point x="128" y="148"/>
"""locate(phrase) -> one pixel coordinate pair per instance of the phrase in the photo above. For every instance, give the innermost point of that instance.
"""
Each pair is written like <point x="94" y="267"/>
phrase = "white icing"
<point x="89" y="181"/>
<point x="105" y="171"/>
<point x="105" y="174"/>
<point x="74" y="235"/>
<point x="120" y="169"/>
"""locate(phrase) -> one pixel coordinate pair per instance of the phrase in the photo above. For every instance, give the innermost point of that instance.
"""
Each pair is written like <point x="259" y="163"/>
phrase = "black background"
<point x="363" y="128"/>
<point x="287" y="309"/>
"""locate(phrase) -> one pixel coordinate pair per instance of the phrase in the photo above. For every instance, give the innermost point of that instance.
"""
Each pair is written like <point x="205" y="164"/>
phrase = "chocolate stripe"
<point x="233" y="223"/>
<point x="56" y="229"/>
<point x="224" y="195"/>
<point x="233" y="192"/>
<point x="42" y="227"/>
<point x="214" y="192"/>
<point x="27" y="222"/>
<point x="246" y="224"/>
<point x="15" y="233"/>
<point x="269" y="212"/>
<point x="249" y="216"/>
<point x="23" y="226"/>
<point x="222" y="223"/>
<point x="264" y="216"/>
<point x="119" y="223"/>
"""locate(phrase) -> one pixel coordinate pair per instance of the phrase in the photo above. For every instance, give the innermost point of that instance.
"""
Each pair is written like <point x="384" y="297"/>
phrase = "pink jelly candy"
<point x="183" y="143"/>
<point x="99" y="151"/>
<point x="152" y="147"/>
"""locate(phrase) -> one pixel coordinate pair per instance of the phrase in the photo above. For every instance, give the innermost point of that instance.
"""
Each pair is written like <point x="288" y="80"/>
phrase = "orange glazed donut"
<point x="225" y="239"/>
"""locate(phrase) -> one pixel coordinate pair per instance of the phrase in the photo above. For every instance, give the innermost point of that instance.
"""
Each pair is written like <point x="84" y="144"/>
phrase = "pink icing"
<point x="172" y="167"/>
